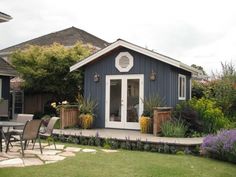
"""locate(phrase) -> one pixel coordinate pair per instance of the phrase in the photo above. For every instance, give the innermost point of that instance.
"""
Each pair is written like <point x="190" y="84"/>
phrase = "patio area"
<point x="131" y="134"/>
<point x="14" y="158"/>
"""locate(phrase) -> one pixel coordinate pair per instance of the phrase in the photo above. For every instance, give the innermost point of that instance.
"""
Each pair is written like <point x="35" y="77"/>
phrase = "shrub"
<point x="210" y="114"/>
<point x="173" y="128"/>
<point x="106" y="144"/>
<point x="202" y="115"/>
<point x="221" y="146"/>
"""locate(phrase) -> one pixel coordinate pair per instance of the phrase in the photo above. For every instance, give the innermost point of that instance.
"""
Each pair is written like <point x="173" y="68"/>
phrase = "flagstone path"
<point x="14" y="158"/>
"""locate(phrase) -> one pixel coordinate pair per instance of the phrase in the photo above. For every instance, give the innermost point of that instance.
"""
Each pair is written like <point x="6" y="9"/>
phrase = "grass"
<point x="127" y="164"/>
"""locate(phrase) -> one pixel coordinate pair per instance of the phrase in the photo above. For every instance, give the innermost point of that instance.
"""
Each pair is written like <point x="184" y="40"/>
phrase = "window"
<point x="182" y="87"/>
<point x="124" y="61"/>
<point x="0" y="88"/>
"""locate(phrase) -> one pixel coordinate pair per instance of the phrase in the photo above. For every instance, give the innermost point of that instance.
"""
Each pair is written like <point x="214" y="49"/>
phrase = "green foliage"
<point x="200" y="68"/>
<point x="86" y="106"/>
<point x="174" y="128"/>
<point x="203" y="115"/>
<point x="198" y="89"/>
<point x="46" y="69"/>
<point x="210" y="114"/>
<point x="223" y="92"/>
<point x="106" y="144"/>
<point x="151" y="102"/>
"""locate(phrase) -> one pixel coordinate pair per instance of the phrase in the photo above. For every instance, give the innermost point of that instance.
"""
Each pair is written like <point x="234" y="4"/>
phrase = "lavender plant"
<point x="221" y="146"/>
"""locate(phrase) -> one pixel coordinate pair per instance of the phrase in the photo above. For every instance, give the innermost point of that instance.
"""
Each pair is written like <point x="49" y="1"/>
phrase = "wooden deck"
<point x="131" y="134"/>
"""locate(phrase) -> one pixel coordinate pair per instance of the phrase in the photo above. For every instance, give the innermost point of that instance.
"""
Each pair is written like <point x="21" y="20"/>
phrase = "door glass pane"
<point x="115" y="100"/>
<point x="132" y="100"/>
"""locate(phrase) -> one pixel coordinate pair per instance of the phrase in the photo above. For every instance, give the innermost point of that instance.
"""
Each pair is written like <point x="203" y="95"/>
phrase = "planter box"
<point x="161" y="114"/>
<point x="68" y="116"/>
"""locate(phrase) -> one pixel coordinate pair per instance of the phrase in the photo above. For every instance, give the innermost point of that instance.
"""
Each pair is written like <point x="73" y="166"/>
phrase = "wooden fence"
<point x="69" y="116"/>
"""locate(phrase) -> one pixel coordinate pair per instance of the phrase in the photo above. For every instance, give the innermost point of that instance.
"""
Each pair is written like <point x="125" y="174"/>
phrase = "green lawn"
<point x="127" y="164"/>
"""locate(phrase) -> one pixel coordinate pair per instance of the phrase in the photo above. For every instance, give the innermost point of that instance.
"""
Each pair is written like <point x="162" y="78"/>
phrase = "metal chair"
<point x="49" y="129"/>
<point x="30" y="132"/>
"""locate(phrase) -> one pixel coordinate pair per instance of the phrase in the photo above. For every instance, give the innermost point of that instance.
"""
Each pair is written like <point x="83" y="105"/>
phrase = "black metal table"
<point x="7" y="124"/>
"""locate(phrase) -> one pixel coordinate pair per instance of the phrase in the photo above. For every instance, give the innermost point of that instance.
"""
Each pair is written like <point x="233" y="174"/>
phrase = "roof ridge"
<point x="52" y="33"/>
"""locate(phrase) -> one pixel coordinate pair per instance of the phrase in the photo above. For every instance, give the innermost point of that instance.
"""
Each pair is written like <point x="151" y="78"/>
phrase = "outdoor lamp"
<point x="96" y="77"/>
<point x="152" y="76"/>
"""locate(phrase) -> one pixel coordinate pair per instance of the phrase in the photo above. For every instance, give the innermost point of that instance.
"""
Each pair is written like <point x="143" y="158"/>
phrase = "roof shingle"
<point x="6" y="69"/>
<point x="66" y="37"/>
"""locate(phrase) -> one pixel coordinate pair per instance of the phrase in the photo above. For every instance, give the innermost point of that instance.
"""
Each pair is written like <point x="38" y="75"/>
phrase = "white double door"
<point x="124" y="101"/>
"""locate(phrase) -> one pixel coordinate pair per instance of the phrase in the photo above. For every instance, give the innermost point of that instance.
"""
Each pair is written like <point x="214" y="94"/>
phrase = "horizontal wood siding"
<point x="166" y="83"/>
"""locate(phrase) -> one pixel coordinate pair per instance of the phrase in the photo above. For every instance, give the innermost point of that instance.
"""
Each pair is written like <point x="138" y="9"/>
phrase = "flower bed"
<point x="221" y="146"/>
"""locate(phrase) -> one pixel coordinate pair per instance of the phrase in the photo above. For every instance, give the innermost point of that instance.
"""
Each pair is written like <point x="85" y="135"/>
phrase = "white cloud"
<point x="201" y="32"/>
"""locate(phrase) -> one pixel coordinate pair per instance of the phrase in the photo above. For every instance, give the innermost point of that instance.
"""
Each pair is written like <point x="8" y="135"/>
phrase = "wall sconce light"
<point x="152" y="76"/>
<point x="96" y="77"/>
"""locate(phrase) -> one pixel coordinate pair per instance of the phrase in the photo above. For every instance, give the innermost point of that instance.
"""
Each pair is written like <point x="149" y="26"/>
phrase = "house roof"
<point x="66" y="37"/>
<point x="4" y="17"/>
<point x="6" y="69"/>
<point x="150" y="53"/>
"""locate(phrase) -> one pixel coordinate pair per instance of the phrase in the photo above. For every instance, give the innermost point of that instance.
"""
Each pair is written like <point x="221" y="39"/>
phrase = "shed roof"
<point x="6" y="69"/>
<point x="66" y="37"/>
<point x="150" y="53"/>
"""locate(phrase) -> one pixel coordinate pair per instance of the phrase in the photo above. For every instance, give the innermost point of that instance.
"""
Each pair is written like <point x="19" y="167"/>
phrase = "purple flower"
<point x="222" y="145"/>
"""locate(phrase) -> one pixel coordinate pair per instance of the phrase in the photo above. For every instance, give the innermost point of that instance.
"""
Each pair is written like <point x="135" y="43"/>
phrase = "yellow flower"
<point x="54" y="105"/>
<point x="65" y="102"/>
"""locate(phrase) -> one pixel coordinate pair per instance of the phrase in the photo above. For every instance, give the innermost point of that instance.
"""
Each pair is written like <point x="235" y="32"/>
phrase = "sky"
<point x="201" y="32"/>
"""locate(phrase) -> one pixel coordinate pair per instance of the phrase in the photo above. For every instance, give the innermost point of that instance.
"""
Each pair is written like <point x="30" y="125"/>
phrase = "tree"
<point x="200" y="68"/>
<point x="46" y="69"/>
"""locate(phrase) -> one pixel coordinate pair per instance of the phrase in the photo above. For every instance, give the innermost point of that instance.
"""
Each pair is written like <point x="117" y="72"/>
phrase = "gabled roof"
<point x="67" y="37"/>
<point x="123" y="43"/>
<point x="4" y="17"/>
<point x="6" y="69"/>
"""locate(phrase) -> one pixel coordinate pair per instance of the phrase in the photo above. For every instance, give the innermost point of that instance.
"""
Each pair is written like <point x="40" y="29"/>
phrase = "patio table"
<point x="7" y="124"/>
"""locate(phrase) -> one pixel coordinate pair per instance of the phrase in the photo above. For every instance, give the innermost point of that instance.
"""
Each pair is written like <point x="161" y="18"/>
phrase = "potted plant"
<point x="86" y="109"/>
<point x="146" y="120"/>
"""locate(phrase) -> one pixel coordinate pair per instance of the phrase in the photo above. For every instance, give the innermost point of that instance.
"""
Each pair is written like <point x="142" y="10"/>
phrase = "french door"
<point x="124" y="106"/>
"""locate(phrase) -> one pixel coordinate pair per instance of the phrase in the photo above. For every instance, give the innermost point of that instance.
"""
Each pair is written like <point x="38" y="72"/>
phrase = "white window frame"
<point x="131" y="61"/>
<point x="0" y="88"/>
<point x="181" y="76"/>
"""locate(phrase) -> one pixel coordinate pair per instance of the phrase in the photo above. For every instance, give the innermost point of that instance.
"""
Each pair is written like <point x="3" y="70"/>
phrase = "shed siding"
<point x="166" y="83"/>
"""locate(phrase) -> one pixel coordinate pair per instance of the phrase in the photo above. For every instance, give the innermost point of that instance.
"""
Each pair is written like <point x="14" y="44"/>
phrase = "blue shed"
<point x="121" y="75"/>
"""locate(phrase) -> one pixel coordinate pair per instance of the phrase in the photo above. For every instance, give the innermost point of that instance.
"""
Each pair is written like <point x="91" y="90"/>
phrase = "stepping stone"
<point x="51" y="157"/>
<point x="32" y="161"/>
<point x="3" y="158"/>
<point x="67" y="154"/>
<point x="45" y="152"/>
<point x="36" y="146"/>
<point x="11" y="154"/>
<point x="16" y="162"/>
<point x="48" y="162"/>
<point x="72" y="149"/>
<point x="58" y="147"/>
<point x="14" y="149"/>
<point x="109" y="150"/>
<point x="89" y="150"/>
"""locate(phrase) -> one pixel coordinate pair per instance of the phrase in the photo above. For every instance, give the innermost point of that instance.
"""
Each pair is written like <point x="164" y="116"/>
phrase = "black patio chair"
<point x="30" y="132"/>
